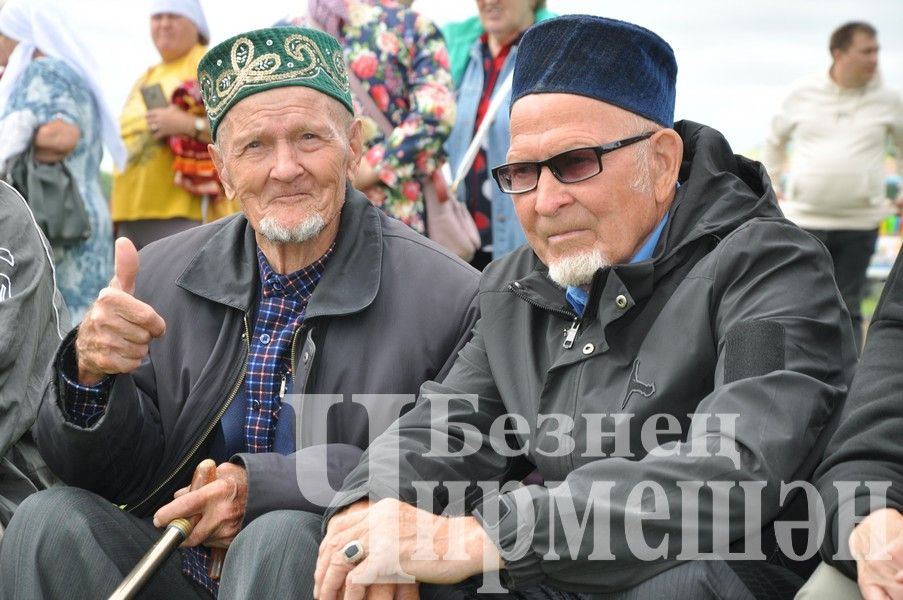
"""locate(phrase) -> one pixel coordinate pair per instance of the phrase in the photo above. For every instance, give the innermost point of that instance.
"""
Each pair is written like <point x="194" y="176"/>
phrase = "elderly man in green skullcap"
<point x="277" y="342"/>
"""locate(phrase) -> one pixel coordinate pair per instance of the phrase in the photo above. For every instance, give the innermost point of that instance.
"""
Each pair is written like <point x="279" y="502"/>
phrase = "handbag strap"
<point x="369" y="105"/>
<point x="471" y="154"/>
<point x="363" y="96"/>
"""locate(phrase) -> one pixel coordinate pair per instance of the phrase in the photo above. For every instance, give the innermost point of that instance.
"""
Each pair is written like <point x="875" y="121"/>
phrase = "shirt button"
<point x="265" y="339"/>
<point x="588" y="349"/>
<point x="621" y="301"/>
<point x="500" y="218"/>
<point x="277" y="286"/>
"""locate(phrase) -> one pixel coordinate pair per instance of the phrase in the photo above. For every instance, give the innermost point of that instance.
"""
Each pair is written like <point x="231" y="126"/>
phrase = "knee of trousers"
<point x="59" y="508"/>
<point x="276" y="530"/>
<point x="57" y="513"/>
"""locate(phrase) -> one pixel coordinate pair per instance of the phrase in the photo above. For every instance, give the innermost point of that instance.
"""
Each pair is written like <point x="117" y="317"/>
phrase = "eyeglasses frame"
<point x="539" y="164"/>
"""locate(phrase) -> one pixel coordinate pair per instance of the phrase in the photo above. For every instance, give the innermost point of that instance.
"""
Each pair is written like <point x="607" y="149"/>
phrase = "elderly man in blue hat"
<point x="650" y="377"/>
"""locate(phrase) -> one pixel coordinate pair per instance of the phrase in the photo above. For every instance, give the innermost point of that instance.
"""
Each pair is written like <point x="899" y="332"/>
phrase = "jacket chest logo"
<point x="635" y="386"/>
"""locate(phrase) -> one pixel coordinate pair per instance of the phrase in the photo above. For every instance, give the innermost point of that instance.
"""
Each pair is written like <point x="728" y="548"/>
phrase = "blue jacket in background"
<point x="506" y="230"/>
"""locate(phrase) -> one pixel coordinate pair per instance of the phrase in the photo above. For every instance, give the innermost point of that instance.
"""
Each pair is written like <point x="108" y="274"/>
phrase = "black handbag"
<point x="53" y="196"/>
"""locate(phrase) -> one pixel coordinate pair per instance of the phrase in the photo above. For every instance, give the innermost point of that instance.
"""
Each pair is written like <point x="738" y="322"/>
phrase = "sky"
<point x="736" y="60"/>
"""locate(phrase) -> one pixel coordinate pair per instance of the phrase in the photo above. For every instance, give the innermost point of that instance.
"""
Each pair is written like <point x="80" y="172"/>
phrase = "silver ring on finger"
<point x="353" y="552"/>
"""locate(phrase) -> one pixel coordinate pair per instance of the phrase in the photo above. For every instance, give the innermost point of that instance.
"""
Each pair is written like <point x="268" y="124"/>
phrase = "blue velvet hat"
<point x="613" y="61"/>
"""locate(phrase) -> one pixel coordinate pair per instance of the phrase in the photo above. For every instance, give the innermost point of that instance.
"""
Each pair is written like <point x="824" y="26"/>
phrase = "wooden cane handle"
<point x="217" y="558"/>
<point x="206" y="473"/>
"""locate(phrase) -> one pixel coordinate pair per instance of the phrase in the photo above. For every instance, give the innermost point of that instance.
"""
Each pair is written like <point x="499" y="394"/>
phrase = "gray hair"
<point x="642" y="155"/>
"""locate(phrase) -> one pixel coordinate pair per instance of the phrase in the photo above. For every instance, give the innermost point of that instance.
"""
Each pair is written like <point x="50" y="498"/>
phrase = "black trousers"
<point x="850" y="251"/>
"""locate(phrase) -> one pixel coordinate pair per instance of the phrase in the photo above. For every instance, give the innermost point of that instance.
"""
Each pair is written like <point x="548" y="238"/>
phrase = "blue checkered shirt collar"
<point x="298" y="285"/>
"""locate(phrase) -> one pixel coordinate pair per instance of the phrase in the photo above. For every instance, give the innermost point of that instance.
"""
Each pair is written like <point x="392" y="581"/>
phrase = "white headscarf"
<point x="190" y="9"/>
<point x="38" y="25"/>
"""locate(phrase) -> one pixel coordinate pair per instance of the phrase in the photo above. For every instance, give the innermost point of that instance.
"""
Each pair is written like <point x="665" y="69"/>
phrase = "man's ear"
<point x="356" y="147"/>
<point x="667" y="153"/>
<point x="224" y="177"/>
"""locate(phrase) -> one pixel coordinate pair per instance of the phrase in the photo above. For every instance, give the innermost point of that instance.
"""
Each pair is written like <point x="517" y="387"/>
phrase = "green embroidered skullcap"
<point x="271" y="58"/>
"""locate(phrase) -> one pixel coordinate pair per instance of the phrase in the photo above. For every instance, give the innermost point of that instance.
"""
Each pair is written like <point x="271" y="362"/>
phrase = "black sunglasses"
<point x="568" y="167"/>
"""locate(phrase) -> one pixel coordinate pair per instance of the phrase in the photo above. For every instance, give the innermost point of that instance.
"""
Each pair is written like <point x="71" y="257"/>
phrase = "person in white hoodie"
<point x="838" y="124"/>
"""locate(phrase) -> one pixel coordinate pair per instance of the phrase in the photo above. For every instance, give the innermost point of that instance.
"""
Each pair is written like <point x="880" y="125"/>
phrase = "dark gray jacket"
<point x="736" y="313"/>
<point x="33" y="320"/>
<point x="868" y="444"/>
<point x="390" y="312"/>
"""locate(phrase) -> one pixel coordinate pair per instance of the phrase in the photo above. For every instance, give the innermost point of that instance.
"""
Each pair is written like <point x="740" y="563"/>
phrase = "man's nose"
<point x="286" y="163"/>
<point x="551" y="194"/>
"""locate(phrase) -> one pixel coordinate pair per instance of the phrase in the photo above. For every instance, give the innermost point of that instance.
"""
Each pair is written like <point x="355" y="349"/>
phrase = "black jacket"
<point x="390" y="312"/>
<point x="737" y="313"/>
<point x="868" y="444"/>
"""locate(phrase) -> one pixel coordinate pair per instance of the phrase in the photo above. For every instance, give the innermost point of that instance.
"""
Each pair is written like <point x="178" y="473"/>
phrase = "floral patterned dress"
<point x="401" y="60"/>
<point x="51" y="90"/>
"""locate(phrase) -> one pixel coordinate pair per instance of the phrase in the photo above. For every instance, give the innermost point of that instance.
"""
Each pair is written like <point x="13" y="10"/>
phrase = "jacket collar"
<point x="349" y="283"/>
<point x="636" y="280"/>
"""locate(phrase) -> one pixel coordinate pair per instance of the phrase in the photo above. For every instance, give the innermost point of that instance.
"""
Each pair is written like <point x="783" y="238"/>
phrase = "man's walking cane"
<point x="174" y="534"/>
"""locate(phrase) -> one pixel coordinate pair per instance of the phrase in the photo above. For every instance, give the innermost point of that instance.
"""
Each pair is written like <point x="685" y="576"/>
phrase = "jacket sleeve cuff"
<point x="836" y="541"/>
<point x="306" y="480"/>
<point x="82" y="405"/>
<point x="509" y="519"/>
<point x="836" y="549"/>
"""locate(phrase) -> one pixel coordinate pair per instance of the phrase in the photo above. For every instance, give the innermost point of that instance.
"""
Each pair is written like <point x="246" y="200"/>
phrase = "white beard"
<point x="277" y="233"/>
<point x="577" y="269"/>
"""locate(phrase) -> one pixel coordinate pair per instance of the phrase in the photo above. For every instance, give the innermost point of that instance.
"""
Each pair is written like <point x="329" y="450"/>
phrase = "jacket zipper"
<point x="293" y="358"/>
<point x="570" y="334"/>
<point x="294" y="353"/>
<point x="291" y="367"/>
<point x="210" y="426"/>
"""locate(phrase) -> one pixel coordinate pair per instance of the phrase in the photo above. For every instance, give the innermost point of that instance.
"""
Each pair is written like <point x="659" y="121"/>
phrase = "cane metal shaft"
<point x="174" y="534"/>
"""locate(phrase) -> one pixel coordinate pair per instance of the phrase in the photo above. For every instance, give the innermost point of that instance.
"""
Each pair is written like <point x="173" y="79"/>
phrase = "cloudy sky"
<point x="735" y="59"/>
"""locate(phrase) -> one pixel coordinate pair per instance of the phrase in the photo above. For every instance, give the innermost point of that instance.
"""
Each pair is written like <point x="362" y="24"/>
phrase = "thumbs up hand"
<point x="116" y="332"/>
<point x="125" y="266"/>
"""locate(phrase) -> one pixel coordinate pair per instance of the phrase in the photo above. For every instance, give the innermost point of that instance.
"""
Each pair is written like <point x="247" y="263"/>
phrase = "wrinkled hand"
<point x="403" y="544"/>
<point x="220" y="504"/>
<point x="164" y="122"/>
<point x="116" y="332"/>
<point x="877" y="545"/>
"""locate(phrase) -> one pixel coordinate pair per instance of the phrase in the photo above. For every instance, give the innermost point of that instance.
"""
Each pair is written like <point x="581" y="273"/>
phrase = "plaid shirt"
<point x="280" y="312"/>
